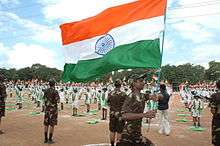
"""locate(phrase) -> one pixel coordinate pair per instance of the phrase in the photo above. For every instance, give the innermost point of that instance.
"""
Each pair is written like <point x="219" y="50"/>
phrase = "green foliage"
<point x="36" y="71"/>
<point x="176" y="74"/>
<point x="186" y="72"/>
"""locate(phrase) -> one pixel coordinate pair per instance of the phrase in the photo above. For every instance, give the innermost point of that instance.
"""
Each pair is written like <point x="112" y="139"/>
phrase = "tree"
<point x="36" y="71"/>
<point x="25" y="74"/>
<point x="176" y="74"/>
<point x="186" y="72"/>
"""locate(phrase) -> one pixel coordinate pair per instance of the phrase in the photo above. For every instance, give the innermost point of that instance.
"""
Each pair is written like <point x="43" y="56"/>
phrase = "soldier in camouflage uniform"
<point x="132" y="112"/>
<point x="3" y="96"/>
<point x="215" y="110"/>
<point x="115" y="101"/>
<point x="51" y="110"/>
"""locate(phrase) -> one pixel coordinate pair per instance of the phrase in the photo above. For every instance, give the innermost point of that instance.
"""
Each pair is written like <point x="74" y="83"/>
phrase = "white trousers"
<point x="164" y="125"/>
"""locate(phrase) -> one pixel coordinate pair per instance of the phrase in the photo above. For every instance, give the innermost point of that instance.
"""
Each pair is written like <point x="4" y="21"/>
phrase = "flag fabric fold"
<point x="121" y="37"/>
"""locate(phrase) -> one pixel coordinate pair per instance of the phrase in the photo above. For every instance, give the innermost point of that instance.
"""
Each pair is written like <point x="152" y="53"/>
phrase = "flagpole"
<point x="161" y="58"/>
<point x="161" y="54"/>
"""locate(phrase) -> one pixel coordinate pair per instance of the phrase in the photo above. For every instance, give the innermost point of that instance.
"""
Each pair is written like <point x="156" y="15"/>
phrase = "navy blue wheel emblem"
<point x="104" y="44"/>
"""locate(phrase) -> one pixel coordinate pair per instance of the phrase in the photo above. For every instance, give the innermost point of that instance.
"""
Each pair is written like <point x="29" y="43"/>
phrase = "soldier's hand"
<point x="160" y="96"/>
<point x="153" y="97"/>
<point x="150" y="114"/>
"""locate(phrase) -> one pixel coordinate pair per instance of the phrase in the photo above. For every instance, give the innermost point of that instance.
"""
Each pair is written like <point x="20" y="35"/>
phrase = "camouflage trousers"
<point x="2" y="109"/>
<point x="216" y="131"/>
<point x="116" y="124"/>
<point x="129" y="141"/>
<point x="51" y="115"/>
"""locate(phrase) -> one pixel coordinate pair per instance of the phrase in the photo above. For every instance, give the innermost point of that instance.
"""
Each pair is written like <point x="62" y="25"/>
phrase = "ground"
<point x="23" y="129"/>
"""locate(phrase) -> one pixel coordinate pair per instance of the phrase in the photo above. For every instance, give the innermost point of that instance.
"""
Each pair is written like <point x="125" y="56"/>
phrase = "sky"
<point x="30" y="33"/>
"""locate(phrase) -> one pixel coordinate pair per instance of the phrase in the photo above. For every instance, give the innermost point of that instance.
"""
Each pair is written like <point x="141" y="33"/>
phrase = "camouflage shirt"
<point x="215" y="103"/>
<point x="134" y="104"/>
<point x="51" y="97"/>
<point x="2" y="99"/>
<point x="2" y="93"/>
<point x="116" y="100"/>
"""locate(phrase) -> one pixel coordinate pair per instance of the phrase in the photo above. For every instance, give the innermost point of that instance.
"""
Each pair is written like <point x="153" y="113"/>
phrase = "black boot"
<point x="112" y="143"/>
<point x="61" y="106"/>
<point x="105" y="114"/>
<point x="67" y="101"/>
<point x="19" y="105"/>
<point x="74" y="112"/>
<point x="1" y="132"/>
<point x="147" y="120"/>
<point x="45" y="137"/>
<point x="38" y="104"/>
<point x="194" y="124"/>
<point x="87" y="108"/>
<point x="50" y="138"/>
<point x="102" y="114"/>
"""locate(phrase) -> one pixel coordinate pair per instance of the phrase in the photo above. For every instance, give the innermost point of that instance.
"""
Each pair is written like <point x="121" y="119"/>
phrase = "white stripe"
<point x="147" y="29"/>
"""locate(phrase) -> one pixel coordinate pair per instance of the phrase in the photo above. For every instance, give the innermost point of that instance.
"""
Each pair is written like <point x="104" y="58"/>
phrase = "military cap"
<point x="52" y="82"/>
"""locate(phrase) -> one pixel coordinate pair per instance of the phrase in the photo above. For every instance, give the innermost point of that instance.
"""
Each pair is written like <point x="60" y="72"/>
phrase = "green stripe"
<point x="68" y="68"/>
<point x="141" y="54"/>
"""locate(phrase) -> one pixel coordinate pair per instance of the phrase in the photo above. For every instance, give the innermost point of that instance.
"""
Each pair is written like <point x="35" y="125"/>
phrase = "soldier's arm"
<point x="160" y="96"/>
<point x="132" y="116"/>
<point x="58" y="97"/>
<point x="136" y="116"/>
<point x="3" y="93"/>
<point x="128" y="115"/>
<point x="153" y="97"/>
<point x="212" y="105"/>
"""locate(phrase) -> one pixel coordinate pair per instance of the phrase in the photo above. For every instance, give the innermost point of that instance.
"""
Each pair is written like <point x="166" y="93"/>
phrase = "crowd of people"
<point x="129" y="103"/>
<point x="196" y="97"/>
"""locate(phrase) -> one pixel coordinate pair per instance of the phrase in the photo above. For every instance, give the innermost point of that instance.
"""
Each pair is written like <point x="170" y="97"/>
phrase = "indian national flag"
<point x="121" y="37"/>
